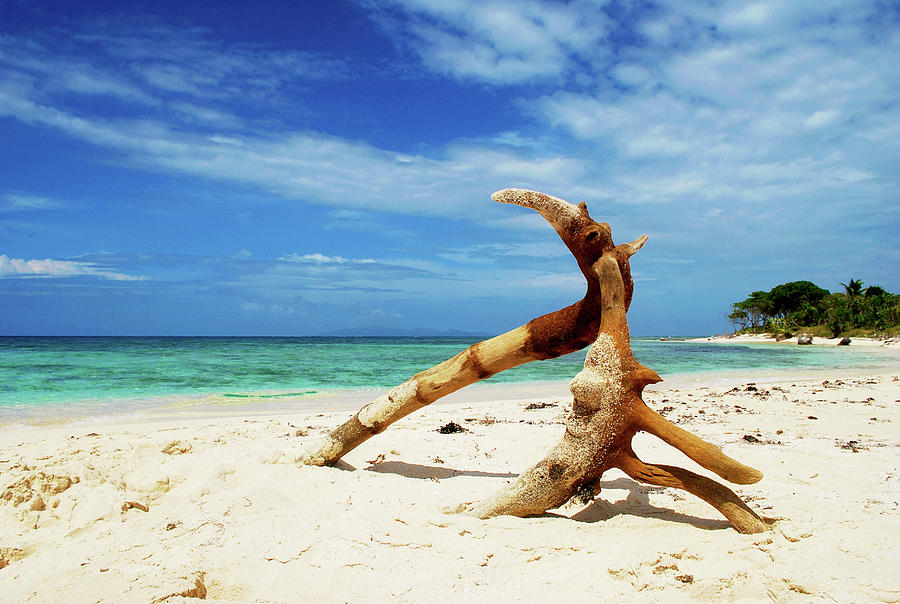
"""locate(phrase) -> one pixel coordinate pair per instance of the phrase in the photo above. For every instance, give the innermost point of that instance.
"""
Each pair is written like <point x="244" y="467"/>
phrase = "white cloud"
<point x="631" y="74"/>
<point x="14" y="267"/>
<point x="379" y="313"/>
<point x="507" y="42"/>
<point x="657" y="142"/>
<point x="205" y="115"/>
<point x="86" y="79"/>
<point x="513" y="139"/>
<point x="12" y="202"/>
<point x="323" y="259"/>
<point x="275" y="308"/>
<point x="822" y="118"/>
<point x="749" y="15"/>
<point x="175" y="78"/>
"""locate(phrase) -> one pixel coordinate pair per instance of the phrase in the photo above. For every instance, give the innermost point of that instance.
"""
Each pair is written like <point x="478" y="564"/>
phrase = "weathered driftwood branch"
<point x="549" y="336"/>
<point x="606" y="414"/>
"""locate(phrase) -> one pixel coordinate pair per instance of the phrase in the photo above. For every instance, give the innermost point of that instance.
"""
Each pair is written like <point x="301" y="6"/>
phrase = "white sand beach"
<point x="215" y="506"/>
<point x="816" y="341"/>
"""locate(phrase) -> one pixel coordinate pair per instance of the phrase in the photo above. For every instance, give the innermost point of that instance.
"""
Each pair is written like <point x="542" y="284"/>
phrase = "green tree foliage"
<point x="751" y="312"/>
<point x="789" y="298"/>
<point x="797" y="304"/>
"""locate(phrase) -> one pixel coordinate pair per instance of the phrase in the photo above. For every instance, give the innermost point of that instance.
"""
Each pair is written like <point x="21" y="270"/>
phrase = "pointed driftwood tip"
<point x="631" y="248"/>
<point x="510" y="195"/>
<point x="750" y="476"/>
<point x="646" y="376"/>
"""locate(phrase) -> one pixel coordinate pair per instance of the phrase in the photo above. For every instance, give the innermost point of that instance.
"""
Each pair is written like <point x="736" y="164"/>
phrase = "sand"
<point x="215" y="506"/>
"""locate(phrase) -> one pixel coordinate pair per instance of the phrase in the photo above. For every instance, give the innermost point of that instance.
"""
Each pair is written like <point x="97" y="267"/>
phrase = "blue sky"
<point x="279" y="168"/>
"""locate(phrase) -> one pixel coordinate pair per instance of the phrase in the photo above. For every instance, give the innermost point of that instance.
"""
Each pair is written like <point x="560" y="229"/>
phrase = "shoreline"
<point x="869" y="343"/>
<point x="209" y="407"/>
<point x="228" y="508"/>
<point x="348" y="400"/>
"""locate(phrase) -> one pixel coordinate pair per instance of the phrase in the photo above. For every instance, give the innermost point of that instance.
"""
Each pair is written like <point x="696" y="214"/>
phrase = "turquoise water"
<point x="93" y="372"/>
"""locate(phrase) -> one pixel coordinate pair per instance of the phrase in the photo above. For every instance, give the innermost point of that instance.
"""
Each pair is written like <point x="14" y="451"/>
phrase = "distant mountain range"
<point x="393" y="332"/>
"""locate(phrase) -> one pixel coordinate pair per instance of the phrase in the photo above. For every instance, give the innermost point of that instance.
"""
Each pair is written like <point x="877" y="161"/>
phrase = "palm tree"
<point x="854" y="291"/>
<point x="854" y="288"/>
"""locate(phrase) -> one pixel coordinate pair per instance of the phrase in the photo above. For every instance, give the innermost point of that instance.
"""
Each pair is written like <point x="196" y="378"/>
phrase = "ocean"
<point x="55" y="377"/>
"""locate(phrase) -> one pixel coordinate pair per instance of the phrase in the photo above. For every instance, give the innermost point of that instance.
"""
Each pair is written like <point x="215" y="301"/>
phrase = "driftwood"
<point x="607" y="411"/>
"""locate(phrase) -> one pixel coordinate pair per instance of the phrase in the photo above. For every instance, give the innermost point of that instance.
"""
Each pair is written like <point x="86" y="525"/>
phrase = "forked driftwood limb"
<point x="606" y="414"/>
<point x="549" y="336"/>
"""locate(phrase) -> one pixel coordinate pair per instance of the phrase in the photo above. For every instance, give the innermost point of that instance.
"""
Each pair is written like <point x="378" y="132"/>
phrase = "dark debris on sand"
<point x="451" y="428"/>
<point x="533" y="406"/>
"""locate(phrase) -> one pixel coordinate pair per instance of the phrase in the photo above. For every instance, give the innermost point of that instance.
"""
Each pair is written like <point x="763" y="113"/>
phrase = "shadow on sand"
<point x="637" y="503"/>
<point x="411" y="470"/>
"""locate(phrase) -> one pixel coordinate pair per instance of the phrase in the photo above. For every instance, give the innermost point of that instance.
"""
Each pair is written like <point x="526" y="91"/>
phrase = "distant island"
<point x="394" y="332"/>
<point x="803" y="306"/>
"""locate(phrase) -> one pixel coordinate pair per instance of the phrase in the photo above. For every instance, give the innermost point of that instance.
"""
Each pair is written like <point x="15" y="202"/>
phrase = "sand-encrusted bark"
<point x="606" y="413"/>
<point x="548" y="336"/>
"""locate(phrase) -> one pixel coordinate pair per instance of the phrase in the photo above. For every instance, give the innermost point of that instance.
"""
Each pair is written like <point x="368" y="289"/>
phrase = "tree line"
<point x="803" y="304"/>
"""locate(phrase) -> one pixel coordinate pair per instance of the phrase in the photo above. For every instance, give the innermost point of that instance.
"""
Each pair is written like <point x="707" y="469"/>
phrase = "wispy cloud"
<point x="379" y="314"/>
<point x="15" y="267"/>
<point x="497" y="43"/>
<point x="13" y="202"/>
<point x="254" y="306"/>
<point x="313" y="167"/>
<point x="159" y="70"/>
<point x="323" y="259"/>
